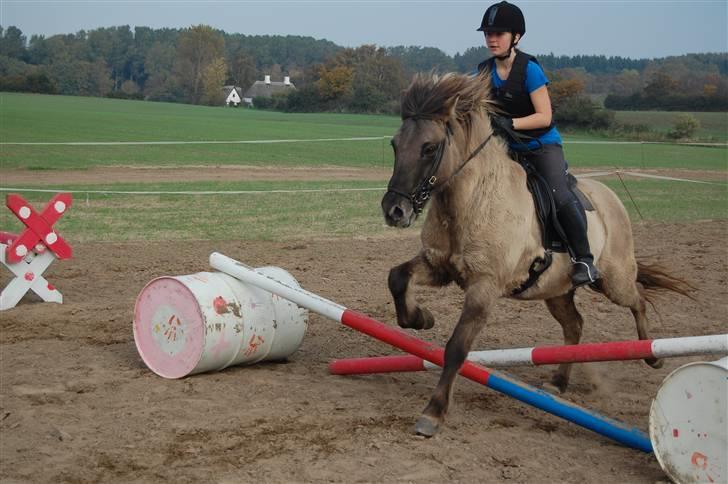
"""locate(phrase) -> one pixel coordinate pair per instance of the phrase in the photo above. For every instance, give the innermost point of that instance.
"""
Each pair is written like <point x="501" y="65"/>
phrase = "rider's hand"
<point x="502" y="125"/>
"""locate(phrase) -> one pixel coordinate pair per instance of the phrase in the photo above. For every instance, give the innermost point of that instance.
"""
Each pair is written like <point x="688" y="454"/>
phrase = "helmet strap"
<point x="504" y="56"/>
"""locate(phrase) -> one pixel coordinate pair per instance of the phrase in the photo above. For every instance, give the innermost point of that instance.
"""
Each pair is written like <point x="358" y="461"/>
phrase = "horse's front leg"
<point x="417" y="271"/>
<point x="478" y="300"/>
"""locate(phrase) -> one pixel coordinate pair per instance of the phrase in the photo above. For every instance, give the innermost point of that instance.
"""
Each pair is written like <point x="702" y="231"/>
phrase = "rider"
<point x="519" y="86"/>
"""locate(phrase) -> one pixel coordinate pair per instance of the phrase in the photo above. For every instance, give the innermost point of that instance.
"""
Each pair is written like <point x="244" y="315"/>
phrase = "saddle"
<point x="552" y="234"/>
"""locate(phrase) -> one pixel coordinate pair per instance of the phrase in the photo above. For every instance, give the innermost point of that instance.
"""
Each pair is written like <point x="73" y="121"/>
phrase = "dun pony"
<point x="481" y="230"/>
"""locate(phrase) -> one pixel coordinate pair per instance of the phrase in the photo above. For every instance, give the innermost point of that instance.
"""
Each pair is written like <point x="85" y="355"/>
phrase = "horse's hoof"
<point x="655" y="362"/>
<point x="553" y="388"/>
<point x="426" y="427"/>
<point x="426" y="319"/>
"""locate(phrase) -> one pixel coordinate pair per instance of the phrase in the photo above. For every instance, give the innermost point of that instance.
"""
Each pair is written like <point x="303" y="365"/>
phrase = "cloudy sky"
<point x="633" y="29"/>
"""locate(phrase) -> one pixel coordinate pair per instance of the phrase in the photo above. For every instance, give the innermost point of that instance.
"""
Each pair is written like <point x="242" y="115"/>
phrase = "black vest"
<point x="513" y="97"/>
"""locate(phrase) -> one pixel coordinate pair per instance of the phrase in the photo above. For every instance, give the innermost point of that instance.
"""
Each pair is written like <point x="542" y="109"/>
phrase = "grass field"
<point x="373" y="153"/>
<point x="713" y="126"/>
<point x="290" y="216"/>
<point x="36" y="118"/>
<point x="274" y="216"/>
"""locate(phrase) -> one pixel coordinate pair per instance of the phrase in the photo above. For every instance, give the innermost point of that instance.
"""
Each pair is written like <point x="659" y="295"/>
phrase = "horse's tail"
<point x="655" y="279"/>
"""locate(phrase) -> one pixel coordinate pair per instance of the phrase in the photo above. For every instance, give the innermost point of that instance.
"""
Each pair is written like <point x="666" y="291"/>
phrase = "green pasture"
<point x="371" y="153"/>
<point x="713" y="126"/>
<point x="304" y="215"/>
<point x="43" y="118"/>
<point x="646" y="155"/>
<point x="359" y="153"/>
<point x="274" y="215"/>
<point x="39" y="118"/>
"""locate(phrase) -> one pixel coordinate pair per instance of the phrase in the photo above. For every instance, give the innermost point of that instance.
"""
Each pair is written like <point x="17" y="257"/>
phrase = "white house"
<point x="232" y="95"/>
<point x="266" y="88"/>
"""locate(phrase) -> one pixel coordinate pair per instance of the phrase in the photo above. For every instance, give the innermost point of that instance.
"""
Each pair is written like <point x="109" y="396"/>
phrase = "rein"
<point x="423" y="192"/>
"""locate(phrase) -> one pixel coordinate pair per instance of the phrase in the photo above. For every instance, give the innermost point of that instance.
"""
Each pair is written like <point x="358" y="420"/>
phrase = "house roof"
<point x="228" y="89"/>
<point x="261" y="89"/>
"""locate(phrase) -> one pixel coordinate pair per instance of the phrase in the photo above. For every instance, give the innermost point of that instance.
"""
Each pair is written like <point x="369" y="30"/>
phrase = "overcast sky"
<point x="633" y="29"/>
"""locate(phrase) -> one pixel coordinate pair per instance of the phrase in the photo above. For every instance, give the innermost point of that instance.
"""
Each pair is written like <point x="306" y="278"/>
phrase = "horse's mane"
<point x="431" y="96"/>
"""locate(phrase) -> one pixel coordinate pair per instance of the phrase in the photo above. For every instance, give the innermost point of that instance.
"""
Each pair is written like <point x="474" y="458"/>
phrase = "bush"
<point x="304" y="100"/>
<point x="277" y="102"/>
<point x="582" y="112"/>
<point x="684" y="127"/>
<point x="38" y="83"/>
<point x="138" y="96"/>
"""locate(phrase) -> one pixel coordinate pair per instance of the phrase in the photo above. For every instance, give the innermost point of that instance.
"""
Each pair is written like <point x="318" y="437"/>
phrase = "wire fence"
<point x="321" y="190"/>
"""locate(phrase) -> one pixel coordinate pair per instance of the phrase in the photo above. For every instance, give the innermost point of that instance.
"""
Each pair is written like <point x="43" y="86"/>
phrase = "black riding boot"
<point x="573" y="220"/>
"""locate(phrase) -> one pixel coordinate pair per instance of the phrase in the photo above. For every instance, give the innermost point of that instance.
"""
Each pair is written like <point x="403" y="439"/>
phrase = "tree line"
<point x="191" y="65"/>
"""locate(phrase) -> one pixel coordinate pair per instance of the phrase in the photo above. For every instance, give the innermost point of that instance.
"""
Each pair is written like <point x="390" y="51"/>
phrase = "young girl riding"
<point x="519" y="87"/>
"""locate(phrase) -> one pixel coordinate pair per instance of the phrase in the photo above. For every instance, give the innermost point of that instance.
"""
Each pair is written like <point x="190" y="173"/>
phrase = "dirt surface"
<point x="77" y="404"/>
<point x="122" y="174"/>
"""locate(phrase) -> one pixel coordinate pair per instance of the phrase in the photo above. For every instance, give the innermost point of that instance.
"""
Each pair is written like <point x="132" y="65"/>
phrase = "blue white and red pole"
<point x="629" y="436"/>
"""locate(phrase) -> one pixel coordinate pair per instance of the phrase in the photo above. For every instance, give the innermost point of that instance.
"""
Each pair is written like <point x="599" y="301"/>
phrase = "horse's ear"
<point x="453" y="108"/>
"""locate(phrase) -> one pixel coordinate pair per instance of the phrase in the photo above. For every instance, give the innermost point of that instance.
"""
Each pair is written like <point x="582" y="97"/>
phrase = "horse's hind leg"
<point x="626" y="292"/>
<point x="564" y="310"/>
<point x="416" y="270"/>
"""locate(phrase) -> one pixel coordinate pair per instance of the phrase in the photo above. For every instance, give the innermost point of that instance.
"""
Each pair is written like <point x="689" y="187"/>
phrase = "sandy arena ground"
<point x="77" y="404"/>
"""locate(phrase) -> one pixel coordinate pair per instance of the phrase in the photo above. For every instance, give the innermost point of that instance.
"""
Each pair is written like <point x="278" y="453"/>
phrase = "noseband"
<point x="423" y="192"/>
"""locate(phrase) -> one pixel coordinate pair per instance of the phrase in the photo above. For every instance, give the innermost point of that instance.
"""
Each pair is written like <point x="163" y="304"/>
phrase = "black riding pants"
<point x="549" y="162"/>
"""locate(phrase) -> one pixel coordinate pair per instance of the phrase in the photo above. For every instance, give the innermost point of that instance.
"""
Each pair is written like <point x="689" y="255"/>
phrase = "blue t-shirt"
<point x="535" y="78"/>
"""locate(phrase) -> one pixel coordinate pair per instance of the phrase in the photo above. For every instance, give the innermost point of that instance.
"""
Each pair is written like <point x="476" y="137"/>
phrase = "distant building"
<point x="232" y="95"/>
<point x="267" y="88"/>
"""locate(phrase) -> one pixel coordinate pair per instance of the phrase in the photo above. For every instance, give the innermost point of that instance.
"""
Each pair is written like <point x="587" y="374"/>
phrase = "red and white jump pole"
<point x="607" y="427"/>
<point x="547" y="355"/>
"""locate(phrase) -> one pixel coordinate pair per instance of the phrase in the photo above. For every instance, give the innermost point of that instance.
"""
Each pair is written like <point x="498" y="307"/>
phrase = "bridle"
<point x="423" y="192"/>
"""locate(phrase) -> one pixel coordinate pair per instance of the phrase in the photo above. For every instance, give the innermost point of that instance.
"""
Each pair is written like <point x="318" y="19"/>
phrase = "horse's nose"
<point x="396" y="210"/>
<point x="396" y="213"/>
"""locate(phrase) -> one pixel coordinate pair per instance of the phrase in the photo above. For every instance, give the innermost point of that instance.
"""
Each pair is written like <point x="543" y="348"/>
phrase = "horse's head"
<point x="437" y="116"/>
<point x="420" y="146"/>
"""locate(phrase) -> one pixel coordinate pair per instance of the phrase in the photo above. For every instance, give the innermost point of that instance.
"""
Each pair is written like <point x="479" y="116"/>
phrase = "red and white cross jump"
<point x="25" y="255"/>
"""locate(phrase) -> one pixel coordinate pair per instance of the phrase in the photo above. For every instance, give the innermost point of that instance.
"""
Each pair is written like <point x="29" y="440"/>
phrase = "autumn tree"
<point x="197" y="48"/>
<point x="335" y="82"/>
<point x="363" y="79"/>
<point x="242" y="68"/>
<point x="660" y="85"/>
<point x="213" y="80"/>
<point x="572" y="108"/>
<point x="562" y="89"/>
<point x="627" y="82"/>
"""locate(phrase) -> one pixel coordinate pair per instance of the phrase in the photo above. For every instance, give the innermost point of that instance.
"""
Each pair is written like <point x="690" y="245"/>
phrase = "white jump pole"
<point x="547" y="355"/>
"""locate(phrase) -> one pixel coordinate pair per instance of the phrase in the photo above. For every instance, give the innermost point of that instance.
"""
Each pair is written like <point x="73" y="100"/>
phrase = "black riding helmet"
<point x="503" y="17"/>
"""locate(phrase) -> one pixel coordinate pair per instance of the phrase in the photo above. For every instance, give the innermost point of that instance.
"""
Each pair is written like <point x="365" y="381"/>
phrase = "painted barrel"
<point x="689" y="423"/>
<point x="209" y="321"/>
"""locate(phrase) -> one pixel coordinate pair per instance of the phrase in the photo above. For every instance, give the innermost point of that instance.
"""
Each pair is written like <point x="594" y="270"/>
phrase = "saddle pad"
<point x="574" y="185"/>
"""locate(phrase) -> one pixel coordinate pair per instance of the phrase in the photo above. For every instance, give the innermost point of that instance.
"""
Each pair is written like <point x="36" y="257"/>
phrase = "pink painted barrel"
<point x="208" y="321"/>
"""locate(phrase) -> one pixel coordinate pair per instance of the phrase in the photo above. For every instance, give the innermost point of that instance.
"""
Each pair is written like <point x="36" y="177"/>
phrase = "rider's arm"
<point x="542" y="105"/>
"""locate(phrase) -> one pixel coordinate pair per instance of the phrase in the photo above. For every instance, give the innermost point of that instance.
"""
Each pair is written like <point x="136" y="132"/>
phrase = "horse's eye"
<point x="429" y="149"/>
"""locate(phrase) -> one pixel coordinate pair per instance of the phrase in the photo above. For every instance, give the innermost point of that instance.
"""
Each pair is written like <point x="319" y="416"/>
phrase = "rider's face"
<point x="498" y="42"/>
